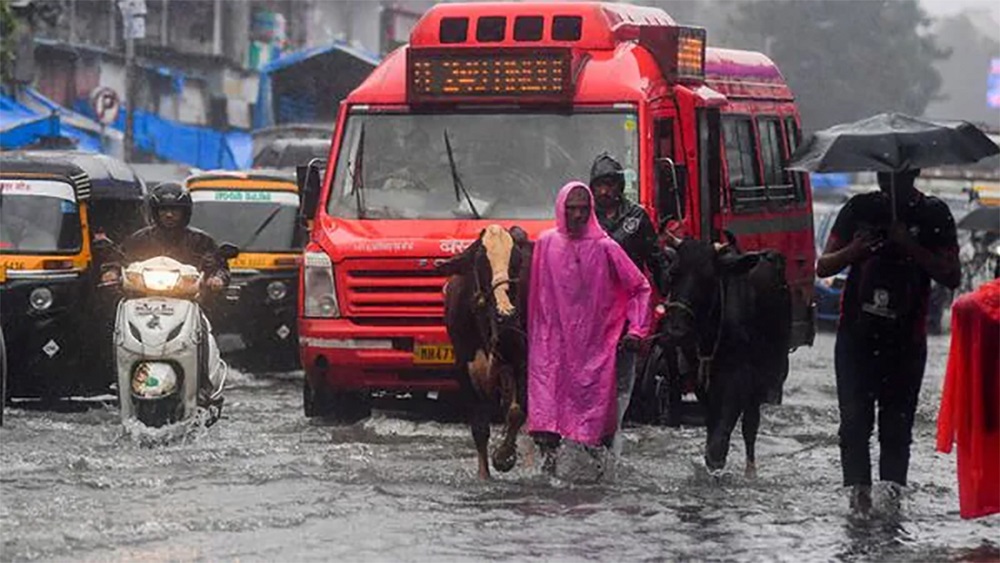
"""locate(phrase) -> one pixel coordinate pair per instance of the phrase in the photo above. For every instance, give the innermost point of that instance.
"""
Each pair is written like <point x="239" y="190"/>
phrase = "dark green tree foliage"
<point x="845" y="60"/>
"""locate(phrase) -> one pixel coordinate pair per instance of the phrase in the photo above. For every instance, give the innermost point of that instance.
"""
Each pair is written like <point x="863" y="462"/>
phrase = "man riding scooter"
<point x="170" y="206"/>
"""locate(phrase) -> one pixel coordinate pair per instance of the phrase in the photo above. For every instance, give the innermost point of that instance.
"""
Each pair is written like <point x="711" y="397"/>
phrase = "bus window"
<point x="780" y="191"/>
<point x="794" y="137"/>
<point x="746" y="189"/>
<point x="670" y="175"/>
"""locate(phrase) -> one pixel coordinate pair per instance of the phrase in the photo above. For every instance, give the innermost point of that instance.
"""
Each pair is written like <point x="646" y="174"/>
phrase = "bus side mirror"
<point x="310" y="180"/>
<point x="670" y="181"/>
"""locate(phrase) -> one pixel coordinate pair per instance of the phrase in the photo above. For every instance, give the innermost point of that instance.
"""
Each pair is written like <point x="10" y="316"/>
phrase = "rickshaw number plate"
<point x="157" y="309"/>
<point x="433" y="354"/>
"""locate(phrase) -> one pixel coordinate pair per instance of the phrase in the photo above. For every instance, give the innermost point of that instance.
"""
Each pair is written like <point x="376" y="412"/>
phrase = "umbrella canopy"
<point x="981" y="219"/>
<point x="891" y="142"/>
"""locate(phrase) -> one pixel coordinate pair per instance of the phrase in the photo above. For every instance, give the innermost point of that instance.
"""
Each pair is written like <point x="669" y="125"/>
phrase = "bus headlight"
<point x="40" y="298"/>
<point x="319" y="292"/>
<point x="277" y="290"/>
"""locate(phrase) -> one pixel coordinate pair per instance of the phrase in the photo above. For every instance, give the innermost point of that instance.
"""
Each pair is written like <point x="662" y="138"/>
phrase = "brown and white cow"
<point x="486" y="301"/>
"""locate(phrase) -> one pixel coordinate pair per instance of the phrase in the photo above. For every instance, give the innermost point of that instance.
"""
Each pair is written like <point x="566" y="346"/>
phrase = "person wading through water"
<point x="627" y="224"/>
<point x="881" y="338"/>
<point x="583" y="289"/>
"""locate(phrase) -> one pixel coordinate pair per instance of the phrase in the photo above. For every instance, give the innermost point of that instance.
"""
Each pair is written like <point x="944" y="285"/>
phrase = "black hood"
<point x="607" y="167"/>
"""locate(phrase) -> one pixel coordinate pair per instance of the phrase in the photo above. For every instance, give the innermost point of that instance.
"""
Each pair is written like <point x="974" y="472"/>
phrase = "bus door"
<point x="670" y="171"/>
<point x="710" y="178"/>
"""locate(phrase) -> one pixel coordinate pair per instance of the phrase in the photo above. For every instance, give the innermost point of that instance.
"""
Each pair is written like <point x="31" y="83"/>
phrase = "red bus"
<point x="480" y="119"/>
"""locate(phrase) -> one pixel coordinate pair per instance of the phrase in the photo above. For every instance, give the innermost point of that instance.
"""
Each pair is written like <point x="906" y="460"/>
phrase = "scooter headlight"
<point x="40" y="298"/>
<point x="277" y="290"/>
<point x="152" y="380"/>
<point x="160" y="280"/>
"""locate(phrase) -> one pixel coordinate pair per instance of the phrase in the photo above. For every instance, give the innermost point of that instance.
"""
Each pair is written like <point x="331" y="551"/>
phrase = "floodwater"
<point x="267" y="484"/>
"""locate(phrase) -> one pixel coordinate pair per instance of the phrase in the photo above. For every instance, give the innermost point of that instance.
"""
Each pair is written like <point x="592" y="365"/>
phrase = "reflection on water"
<point x="267" y="484"/>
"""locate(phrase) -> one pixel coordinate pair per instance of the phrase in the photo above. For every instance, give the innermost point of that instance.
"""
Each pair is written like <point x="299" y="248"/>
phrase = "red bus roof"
<point x="617" y="66"/>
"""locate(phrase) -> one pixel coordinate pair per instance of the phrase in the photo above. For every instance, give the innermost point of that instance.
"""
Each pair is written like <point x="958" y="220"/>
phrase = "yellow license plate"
<point x="433" y="354"/>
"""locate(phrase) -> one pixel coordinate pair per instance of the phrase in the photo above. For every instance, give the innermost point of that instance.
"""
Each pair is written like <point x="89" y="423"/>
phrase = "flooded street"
<point x="267" y="484"/>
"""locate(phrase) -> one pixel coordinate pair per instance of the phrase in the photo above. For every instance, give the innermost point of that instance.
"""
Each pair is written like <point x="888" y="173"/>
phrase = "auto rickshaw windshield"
<point x="38" y="216"/>
<point x="261" y="221"/>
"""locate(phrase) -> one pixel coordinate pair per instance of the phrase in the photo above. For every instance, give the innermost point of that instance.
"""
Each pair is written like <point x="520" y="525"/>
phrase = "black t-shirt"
<point x="888" y="285"/>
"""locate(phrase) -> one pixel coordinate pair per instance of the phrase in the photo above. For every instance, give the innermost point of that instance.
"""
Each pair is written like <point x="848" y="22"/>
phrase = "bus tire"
<point x="3" y="376"/>
<point x="338" y="406"/>
<point x="659" y="398"/>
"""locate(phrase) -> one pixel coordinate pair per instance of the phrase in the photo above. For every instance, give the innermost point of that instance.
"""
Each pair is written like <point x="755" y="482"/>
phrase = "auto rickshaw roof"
<point x="21" y="163"/>
<point x="110" y="178"/>
<point x="273" y="178"/>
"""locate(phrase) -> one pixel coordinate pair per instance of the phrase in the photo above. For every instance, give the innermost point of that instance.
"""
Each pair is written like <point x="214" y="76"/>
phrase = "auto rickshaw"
<point x="55" y="325"/>
<point x="258" y="211"/>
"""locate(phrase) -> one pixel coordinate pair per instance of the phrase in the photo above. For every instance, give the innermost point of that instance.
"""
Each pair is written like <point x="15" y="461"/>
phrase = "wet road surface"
<point x="267" y="484"/>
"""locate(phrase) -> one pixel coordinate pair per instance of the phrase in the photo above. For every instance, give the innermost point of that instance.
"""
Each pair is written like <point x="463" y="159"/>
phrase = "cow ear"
<point x="462" y="262"/>
<point x="519" y="235"/>
<point x="734" y="264"/>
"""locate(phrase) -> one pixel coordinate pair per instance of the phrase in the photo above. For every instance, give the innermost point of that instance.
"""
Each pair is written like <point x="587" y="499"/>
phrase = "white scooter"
<point x="164" y="347"/>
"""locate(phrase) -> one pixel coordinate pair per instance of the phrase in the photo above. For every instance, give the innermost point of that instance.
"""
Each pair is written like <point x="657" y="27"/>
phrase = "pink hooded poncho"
<point x="582" y="292"/>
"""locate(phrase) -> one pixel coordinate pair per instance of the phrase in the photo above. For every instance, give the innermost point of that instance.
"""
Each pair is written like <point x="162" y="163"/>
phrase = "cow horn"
<point x="671" y="239"/>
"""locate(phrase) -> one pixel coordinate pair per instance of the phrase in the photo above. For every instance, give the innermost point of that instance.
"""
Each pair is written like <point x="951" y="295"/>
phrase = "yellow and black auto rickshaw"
<point x="55" y="327"/>
<point x="258" y="211"/>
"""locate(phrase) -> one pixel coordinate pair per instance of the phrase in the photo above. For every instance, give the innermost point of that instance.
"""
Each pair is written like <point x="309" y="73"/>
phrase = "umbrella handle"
<point x="892" y="196"/>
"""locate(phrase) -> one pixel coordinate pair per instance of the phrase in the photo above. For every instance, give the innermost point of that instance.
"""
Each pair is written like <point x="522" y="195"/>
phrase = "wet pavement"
<point x="267" y="484"/>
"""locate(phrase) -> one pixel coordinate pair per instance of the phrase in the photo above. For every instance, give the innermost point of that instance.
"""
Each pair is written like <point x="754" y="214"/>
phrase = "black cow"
<point x="486" y="304"/>
<point x="730" y="313"/>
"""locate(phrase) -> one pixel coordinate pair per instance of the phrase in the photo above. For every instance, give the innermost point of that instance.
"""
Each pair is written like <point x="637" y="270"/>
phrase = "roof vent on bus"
<point x="454" y="30"/>
<point x="491" y="29"/>
<point x="567" y="28"/>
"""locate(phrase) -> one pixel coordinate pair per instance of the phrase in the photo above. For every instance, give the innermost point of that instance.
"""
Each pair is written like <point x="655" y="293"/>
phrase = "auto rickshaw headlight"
<point x="40" y="298"/>
<point x="277" y="290"/>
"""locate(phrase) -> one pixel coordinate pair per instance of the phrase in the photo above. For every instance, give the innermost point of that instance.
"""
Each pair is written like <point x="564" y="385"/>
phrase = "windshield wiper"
<point x="459" y="186"/>
<point x="260" y="228"/>
<point x="357" y="176"/>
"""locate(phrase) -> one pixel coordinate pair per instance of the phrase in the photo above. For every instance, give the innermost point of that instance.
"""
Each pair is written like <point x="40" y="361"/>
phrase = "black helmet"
<point x="170" y="194"/>
<point x="607" y="168"/>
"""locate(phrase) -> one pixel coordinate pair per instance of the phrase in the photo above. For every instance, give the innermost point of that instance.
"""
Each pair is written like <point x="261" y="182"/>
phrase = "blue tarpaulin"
<point x="195" y="145"/>
<point x="328" y="74"/>
<point x="830" y="180"/>
<point x="20" y="126"/>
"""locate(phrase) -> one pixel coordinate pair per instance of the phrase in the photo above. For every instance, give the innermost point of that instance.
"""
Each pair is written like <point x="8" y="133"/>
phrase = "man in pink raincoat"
<point x="584" y="288"/>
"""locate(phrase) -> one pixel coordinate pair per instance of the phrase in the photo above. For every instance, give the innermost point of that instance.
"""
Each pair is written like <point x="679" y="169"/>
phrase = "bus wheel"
<point x="3" y="377"/>
<point x="338" y="406"/>
<point x="660" y="389"/>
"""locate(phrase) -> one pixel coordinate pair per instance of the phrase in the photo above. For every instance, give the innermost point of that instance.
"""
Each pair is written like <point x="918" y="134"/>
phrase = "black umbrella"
<point x="892" y="142"/>
<point x="981" y="219"/>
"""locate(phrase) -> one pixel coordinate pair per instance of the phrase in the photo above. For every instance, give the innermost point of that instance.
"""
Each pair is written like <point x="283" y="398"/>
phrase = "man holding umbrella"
<point x="895" y="241"/>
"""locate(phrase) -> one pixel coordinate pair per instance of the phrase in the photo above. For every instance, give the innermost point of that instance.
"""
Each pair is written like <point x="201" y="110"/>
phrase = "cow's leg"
<point x="480" y="404"/>
<point x="751" y="423"/>
<point x="727" y="406"/>
<point x="480" y="422"/>
<point x="505" y="456"/>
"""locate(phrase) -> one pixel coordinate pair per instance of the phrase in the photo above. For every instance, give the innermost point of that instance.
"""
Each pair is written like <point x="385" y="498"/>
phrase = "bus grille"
<point x="393" y="288"/>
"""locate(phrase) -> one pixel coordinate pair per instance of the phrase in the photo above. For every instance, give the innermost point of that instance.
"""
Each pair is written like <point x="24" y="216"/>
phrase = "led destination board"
<point x="457" y="75"/>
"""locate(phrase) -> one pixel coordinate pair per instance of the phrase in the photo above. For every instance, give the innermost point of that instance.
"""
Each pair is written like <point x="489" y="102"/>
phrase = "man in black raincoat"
<point x="170" y="235"/>
<point x="628" y="224"/>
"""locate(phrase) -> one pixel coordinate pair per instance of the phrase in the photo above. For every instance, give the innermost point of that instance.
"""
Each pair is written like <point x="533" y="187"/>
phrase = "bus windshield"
<point x="508" y="165"/>
<point x="258" y="221"/>
<point x="39" y="216"/>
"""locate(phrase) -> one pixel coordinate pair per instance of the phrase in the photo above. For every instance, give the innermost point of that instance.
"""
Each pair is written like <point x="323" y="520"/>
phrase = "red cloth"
<point x="970" y="401"/>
